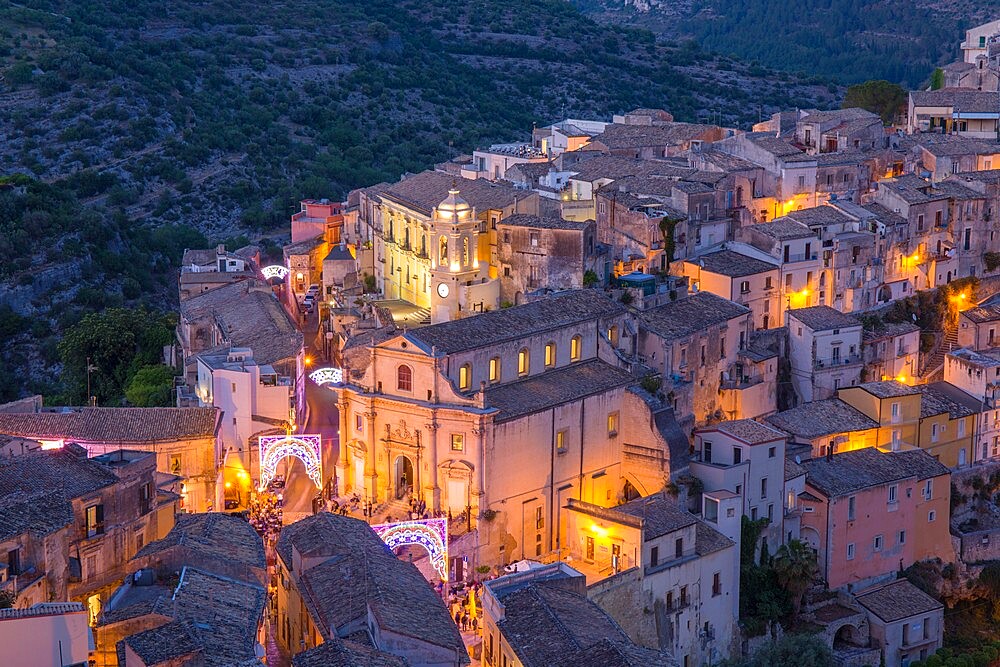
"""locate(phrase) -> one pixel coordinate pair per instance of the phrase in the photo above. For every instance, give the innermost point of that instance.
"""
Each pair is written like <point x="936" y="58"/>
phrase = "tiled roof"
<point x="952" y="144"/>
<point x="39" y="513"/>
<point x="249" y="317"/>
<point x="960" y="99"/>
<point x="544" y="624"/>
<point x="167" y="642"/>
<point x="981" y="314"/>
<point x="733" y="264"/>
<point x="861" y="469"/>
<point x="65" y="471"/>
<point x="940" y="397"/>
<point x="819" y="418"/>
<point x="548" y="222"/>
<point x="424" y="191"/>
<point x="888" y="330"/>
<point x="708" y="540"/>
<point x="823" y="318"/>
<point x="114" y="425"/>
<point x="897" y="600"/>
<point x="616" y="653"/>
<point x="888" y="389"/>
<point x="687" y="315"/>
<point x="659" y="515"/>
<point x="614" y="167"/>
<point x="749" y="431"/>
<point x="555" y="311"/>
<point x="986" y="358"/>
<point x="342" y="653"/>
<point x="840" y="115"/>
<point x="360" y="573"/>
<point x="819" y="215"/>
<point x="885" y="216"/>
<point x="555" y="387"/>
<point x="779" y="148"/>
<point x="617" y="136"/>
<point x="783" y="229"/>
<point x="213" y="535"/>
<point x="911" y="189"/>
<point x="793" y="469"/>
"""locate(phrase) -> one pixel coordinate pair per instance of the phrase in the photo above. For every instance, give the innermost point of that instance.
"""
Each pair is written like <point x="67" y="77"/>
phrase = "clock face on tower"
<point x="443" y="290"/>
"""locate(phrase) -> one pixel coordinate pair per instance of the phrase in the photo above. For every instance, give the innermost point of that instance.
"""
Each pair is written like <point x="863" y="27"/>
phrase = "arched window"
<point x="495" y="369"/>
<point x="404" y="378"/>
<point x="423" y="244"/>
<point x="465" y="377"/>
<point x="443" y="252"/>
<point x="523" y="362"/>
<point x="406" y="236"/>
<point x="575" y="347"/>
<point x="465" y="252"/>
<point x="550" y="355"/>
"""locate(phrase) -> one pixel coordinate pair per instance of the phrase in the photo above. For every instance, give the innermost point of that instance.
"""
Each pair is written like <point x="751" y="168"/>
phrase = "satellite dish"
<point x="798" y="459"/>
<point x="914" y="316"/>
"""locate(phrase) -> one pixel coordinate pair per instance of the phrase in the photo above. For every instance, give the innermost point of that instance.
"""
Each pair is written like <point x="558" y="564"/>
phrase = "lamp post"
<point x="91" y="400"/>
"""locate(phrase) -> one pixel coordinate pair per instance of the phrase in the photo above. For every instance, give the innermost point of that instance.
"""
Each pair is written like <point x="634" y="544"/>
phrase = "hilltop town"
<point x="627" y="391"/>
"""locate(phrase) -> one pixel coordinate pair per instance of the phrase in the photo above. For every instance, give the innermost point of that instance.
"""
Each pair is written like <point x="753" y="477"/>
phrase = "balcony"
<point x="742" y="383"/>
<point x="801" y="257"/>
<point x="836" y="362"/>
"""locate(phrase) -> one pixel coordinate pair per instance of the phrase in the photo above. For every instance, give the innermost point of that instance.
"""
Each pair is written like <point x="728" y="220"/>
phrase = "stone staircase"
<point x="933" y="364"/>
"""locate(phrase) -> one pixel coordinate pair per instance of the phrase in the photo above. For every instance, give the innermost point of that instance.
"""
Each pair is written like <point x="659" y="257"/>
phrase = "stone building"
<point x="336" y="580"/>
<point x="824" y="350"/>
<point x="741" y="278"/>
<point x="693" y="342"/>
<point x="71" y="523"/>
<point x="204" y="270"/>
<point x="450" y="412"/>
<point x="185" y="441"/>
<point x="542" y="253"/>
<point x="891" y="351"/>
<point x="905" y="623"/>
<point x="679" y="567"/>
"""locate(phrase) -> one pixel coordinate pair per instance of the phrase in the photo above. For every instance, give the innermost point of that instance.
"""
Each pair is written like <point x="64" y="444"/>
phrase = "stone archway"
<point x="306" y="448"/>
<point x="431" y="534"/>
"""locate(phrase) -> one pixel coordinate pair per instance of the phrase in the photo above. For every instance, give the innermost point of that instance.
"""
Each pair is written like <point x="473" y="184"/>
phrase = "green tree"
<point x="937" y="79"/>
<point x="795" y="567"/>
<point x="150" y="386"/>
<point x="881" y="97"/>
<point x="19" y="74"/>
<point x="790" y="651"/>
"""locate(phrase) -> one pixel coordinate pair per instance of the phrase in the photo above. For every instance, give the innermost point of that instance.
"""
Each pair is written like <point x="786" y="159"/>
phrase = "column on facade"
<point x="478" y="495"/>
<point x="371" y="476"/>
<point x="342" y="462"/>
<point x="432" y="491"/>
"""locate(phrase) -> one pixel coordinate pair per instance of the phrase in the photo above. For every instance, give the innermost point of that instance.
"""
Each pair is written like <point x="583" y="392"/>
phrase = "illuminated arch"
<point x="323" y="376"/>
<point x="431" y="534"/>
<point x="273" y="448"/>
<point x="275" y="271"/>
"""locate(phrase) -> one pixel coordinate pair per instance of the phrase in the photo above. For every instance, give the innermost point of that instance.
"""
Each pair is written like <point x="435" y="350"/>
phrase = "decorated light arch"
<point x="273" y="448"/>
<point x="274" y="271"/>
<point x="431" y="534"/>
<point x="323" y="376"/>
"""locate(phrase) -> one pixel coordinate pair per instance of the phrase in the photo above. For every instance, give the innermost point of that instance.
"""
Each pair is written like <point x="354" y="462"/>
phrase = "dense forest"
<point x="133" y="130"/>
<point x="849" y="40"/>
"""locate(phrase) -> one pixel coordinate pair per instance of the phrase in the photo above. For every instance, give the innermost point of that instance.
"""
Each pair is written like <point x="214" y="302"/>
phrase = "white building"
<point x="824" y="348"/>
<point x="746" y="458"/>
<point x="48" y="634"/>
<point x="978" y="375"/>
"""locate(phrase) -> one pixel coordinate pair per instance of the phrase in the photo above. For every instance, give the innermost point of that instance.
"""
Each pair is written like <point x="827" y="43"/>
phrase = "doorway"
<point x="589" y="556"/>
<point x="403" y="476"/>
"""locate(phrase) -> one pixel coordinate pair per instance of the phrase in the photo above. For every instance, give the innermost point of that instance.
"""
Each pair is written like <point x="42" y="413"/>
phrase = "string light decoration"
<point x="273" y="448"/>
<point x="323" y="376"/>
<point x="274" y="271"/>
<point x="431" y="534"/>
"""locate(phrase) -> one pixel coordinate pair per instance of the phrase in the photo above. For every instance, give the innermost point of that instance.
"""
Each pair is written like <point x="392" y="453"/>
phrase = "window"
<point x="175" y="464"/>
<point x="550" y="355"/>
<point x="458" y="442"/>
<point x="893" y="490"/>
<point x="928" y="489"/>
<point x="495" y="369"/>
<point x="358" y="423"/>
<point x="877" y="543"/>
<point x="533" y="239"/>
<point x="670" y="600"/>
<point x="95" y="520"/>
<point x="575" y="344"/>
<point x="140" y="540"/>
<point x="716" y="585"/>
<point x="613" y="335"/>
<point x="404" y="378"/>
<point x="561" y="442"/>
<point x="737" y="455"/>
<point x="745" y="287"/>
<point x="931" y="516"/>
<point x="767" y="283"/>
<point x="851" y="508"/>
<point x="934" y="432"/>
<point x="920" y="223"/>
<point x="902" y="537"/>
<point x="850" y="551"/>
<point x="684" y="595"/>
<point x="465" y="377"/>
<point x="14" y="562"/>
<point x="612" y="424"/>
<point x="522" y="362"/>
<point x="896" y="439"/>
<point x="539" y="518"/>
<point x="772" y="452"/>
<point x="145" y="497"/>
<point x="711" y="510"/>
<point x="443" y="252"/>
<point x="706" y="451"/>
<point x="753" y="513"/>
<point x="678" y="547"/>
<point x="763" y="487"/>
<point x="894" y="409"/>
<point x="961" y="429"/>
<point x="654" y="556"/>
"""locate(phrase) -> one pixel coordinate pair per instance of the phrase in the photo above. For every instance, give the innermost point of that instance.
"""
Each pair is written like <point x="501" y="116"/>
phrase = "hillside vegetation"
<point x="851" y="40"/>
<point x="140" y="128"/>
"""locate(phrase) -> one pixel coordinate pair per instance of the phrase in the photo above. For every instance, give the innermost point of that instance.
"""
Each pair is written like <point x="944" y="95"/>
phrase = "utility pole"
<point x="90" y="398"/>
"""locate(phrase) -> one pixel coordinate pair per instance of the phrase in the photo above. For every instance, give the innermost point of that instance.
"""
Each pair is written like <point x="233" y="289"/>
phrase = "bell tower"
<point x="453" y="250"/>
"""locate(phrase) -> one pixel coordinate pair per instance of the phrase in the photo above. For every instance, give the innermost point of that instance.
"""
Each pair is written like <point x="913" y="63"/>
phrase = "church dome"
<point x="453" y="206"/>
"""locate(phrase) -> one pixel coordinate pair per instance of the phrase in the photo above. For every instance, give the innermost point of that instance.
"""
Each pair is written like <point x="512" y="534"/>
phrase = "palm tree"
<point x="795" y="565"/>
